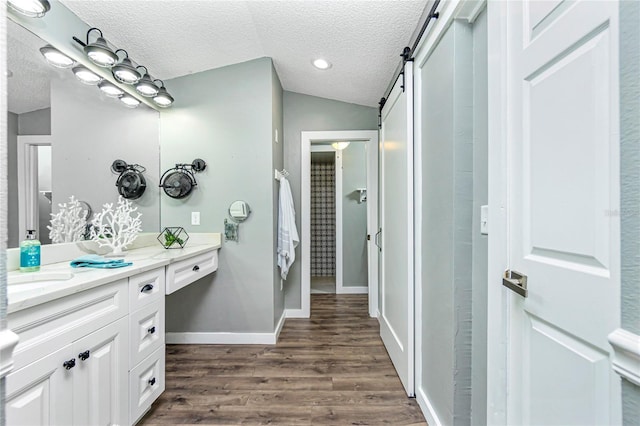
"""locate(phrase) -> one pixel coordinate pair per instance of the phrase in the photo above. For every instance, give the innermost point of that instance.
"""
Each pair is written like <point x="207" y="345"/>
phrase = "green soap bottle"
<point x="30" y="253"/>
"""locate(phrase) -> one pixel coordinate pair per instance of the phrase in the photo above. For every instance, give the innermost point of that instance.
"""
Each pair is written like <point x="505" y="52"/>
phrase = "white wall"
<point x="354" y="216"/>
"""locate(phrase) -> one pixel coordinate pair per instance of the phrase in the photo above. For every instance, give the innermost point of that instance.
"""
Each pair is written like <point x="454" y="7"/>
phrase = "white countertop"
<point x="25" y="295"/>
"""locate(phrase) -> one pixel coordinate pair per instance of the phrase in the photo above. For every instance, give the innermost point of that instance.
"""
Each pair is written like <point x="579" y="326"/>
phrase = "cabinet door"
<point x="42" y="392"/>
<point x="100" y="380"/>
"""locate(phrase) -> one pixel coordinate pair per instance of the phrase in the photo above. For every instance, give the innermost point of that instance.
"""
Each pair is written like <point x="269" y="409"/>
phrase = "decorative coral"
<point x="116" y="228"/>
<point x="69" y="224"/>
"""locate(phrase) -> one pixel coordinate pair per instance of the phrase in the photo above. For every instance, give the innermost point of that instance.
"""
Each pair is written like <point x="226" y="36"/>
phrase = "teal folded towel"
<point x="95" y="261"/>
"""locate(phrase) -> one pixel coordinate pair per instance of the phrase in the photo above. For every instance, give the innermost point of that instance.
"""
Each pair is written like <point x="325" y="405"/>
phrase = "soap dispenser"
<point x="30" y="253"/>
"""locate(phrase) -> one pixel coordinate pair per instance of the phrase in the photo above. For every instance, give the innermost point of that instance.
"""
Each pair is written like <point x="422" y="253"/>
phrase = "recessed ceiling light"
<point x="321" y="64"/>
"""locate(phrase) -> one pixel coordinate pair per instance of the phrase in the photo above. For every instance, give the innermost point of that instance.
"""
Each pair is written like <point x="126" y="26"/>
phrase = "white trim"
<point x="295" y="313"/>
<point x="280" y="324"/>
<point x="626" y="358"/>
<point x="428" y="411"/>
<point x="498" y="259"/>
<point x="219" y="338"/>
<point x="8" y="341"/>
<point x="339" y="224"/>
<point x="353" y="290"/>
<point x="369" y="136"/>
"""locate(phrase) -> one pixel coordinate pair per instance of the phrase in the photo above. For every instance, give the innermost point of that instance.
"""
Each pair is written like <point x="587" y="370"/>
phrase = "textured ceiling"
<point x="362" y="39"/>
<point x="29" y="76"/>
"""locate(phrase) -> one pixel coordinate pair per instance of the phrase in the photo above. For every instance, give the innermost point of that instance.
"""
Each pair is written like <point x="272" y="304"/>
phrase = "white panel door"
<point x="41" y="393"/>
<point x="397" y="287"/>
<point x="101" y="376"/>
<point x="563" y="150"/>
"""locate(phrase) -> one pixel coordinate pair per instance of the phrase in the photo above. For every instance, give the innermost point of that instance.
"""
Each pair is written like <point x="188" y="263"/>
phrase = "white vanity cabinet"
<point x="71" y="362"/>
<point x="81" y="358"/>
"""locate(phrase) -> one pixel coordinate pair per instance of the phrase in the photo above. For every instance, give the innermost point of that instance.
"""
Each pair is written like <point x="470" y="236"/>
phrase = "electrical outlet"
<point x="195" y="218"/>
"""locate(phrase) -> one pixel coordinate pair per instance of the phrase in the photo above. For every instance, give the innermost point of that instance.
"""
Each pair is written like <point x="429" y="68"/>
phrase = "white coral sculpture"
<point x="116" y="228"/>
<point x="69" y="224"/>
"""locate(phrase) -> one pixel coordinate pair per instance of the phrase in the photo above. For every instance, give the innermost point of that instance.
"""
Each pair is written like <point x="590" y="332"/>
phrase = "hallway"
<point x="330" y="369"/>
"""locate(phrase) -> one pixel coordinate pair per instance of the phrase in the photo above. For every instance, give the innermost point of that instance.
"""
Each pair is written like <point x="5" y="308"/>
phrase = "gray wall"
<point x="89" y="131"/>
<point x="448" y="190"/>
<point x="310" y="113"/>
<point x="13" y="239"/>
<point x="35" y="122"/>
<point x="479" y="241"/>
<point x="225" y="117"/>
<point x="354" y="216"/>
<point x="277" y="160"/>
<point x="630" y="187"/>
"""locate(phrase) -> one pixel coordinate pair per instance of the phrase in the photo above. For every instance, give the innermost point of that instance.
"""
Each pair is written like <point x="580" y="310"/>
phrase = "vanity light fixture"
<point x="30" y="8"/>
<point x="124" y="71"/>
<point x="56" y="58"/>
<point x="86" y="76"/>
<point x="146" y="87"/>
<point x="99" y="52"/>
<point x="340" y="145"/>
<point x="110" y="90"/>
<point x="129" y="101"/>
<point x="163" y="99"/>
<point x="321" y="64"/>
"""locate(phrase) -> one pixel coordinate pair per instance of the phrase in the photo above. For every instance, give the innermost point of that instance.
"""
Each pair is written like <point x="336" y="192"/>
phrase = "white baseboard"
<point x="353" y="290"/>
<point x="295" y="313"/>
<point x="427" y="409"/>
<point x="219" y="338"/>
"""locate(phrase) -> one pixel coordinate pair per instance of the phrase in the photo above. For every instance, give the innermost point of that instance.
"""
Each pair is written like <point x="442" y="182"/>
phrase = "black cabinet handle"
<point x="146" y="288"/>
<point x="152" y="381"/>
<point x="196" y="268"/>
<point x="69" y="364"/>
<point x="83" y="355"/>
<point x="151" y="330"/>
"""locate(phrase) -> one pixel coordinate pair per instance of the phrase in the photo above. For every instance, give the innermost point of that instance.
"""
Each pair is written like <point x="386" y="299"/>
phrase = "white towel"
<point x="288" y="238"/>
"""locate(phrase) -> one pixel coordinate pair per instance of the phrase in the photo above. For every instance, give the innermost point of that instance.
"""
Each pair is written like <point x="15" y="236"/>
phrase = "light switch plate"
<point x="484" y="220"/>
<point x="195" y="218"/>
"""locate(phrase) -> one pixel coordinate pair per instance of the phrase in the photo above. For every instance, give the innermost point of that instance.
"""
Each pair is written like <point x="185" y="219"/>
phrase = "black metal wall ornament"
<point x="179" y="181"/>
<point x="131" y="183"/>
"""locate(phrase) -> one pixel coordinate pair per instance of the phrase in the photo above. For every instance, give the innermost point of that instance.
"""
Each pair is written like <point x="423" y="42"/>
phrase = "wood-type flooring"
<point x="331" y="369"/>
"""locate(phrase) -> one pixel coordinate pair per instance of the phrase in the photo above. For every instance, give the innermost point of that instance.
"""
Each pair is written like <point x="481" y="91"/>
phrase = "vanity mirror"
<point x="63" y="135"/>
<point x="239" y="211"/>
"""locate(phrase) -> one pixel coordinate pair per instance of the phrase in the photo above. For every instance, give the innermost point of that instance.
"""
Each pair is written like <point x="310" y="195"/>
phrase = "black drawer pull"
<point x="152" y="381"/>
<point x="196" y="268"/>
<point x="83" y="355"/>
<point x="146" y="288"/>
<point x="69" y="364"/>
<point x="151" y="330"/>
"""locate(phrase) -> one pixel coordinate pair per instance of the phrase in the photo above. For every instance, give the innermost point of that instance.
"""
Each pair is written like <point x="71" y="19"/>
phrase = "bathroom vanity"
<point x="91" y="341"/>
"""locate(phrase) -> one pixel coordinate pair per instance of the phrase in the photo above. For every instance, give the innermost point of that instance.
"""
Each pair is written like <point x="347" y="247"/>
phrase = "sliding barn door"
<point x="396" y="288"/>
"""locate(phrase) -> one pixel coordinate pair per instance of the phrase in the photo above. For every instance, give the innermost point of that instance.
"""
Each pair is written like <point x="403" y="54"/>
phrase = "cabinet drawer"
<point x="146" y="383"/>
<point x="146" y="331"/>
<point x="185" y="272"/>
<point x="46" y="328"/>
<point x="146" y="288"/>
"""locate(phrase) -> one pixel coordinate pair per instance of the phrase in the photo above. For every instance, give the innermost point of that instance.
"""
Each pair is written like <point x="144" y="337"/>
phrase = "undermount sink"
<point x="38" y="277"/>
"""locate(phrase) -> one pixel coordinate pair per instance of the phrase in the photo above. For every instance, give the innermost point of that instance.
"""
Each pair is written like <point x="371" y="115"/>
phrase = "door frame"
<point x="371" y="138"/>
<point x="338" y="208"/>
<point x="28" y="181"/>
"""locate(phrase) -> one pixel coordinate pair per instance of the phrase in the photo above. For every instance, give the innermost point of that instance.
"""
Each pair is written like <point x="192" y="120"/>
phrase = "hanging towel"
<point x="288" y="238"/>
<point x="95" y="261"/>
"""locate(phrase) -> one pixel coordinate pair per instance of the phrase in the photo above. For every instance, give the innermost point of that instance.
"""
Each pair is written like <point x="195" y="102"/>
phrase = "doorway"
<point x="360" y="196"/>
<point x="34" y="186"/>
